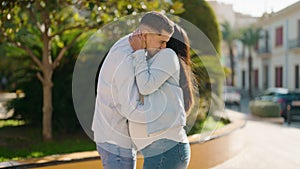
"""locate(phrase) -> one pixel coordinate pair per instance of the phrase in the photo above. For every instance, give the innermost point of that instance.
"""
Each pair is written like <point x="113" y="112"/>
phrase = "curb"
<point x="276" y="120"/>
<point x="218" y="147"/>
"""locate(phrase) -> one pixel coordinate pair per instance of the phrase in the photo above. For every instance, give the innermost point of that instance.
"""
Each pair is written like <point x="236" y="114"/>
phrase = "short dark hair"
<point x="158" y="22"/>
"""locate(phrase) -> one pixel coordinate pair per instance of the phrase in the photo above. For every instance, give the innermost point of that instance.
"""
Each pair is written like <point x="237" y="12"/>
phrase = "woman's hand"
<point x="137" y="40"/>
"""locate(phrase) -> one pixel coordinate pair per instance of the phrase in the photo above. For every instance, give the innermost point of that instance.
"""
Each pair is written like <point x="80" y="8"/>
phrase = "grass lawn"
<point x="20" y="141"/>
<point x="209" y="124"/>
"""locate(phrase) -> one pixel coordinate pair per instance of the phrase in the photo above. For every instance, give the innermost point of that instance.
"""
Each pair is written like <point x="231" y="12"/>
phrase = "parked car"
<point x="293" y="111"/>
<point x="282" y="96"/>
<point x="231" y="95"/>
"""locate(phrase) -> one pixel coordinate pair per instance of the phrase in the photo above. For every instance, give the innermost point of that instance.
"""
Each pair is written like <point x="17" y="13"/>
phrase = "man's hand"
<point x="137" y="40"/>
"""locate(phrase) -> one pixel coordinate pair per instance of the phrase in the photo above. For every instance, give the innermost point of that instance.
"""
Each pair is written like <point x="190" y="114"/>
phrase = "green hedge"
<point x="265" y="108"/>
<point x="201" y="14"/>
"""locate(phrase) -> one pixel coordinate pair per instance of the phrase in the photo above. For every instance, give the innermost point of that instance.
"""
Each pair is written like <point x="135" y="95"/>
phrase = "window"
<point x="279" y="36"/>
<point x="256" y="45"/>
<point x="266" y="77"/>
<point x="244" y="51"/>
<point x="297" y="76"/>
<point x="298" y="40"/>
<point x="278" y="77"/>
<point x="243" y="79"/>
<point x="298" y="29"/>
<point x="267" y="40"/>
<point x="256" y="78"/>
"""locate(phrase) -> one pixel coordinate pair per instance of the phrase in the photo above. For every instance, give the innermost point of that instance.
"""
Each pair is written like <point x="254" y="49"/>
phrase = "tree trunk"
<point x="47" y="89"/>
<point x="47" y="106"/>
<point x="232" y="65"/>
<point x="250" y="74"/>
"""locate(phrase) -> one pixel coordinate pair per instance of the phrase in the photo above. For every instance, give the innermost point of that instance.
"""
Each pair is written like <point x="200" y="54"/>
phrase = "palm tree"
<point x="229" y="35"/>
<point x="249" y="38"/>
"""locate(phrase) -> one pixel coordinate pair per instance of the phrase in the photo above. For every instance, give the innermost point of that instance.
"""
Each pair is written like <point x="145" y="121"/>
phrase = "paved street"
<point x="267" y="145"/>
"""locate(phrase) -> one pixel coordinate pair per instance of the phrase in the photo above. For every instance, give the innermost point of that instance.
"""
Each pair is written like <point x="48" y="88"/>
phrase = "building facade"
<point x="225" y="13"/>
<point x="276" y="57"/>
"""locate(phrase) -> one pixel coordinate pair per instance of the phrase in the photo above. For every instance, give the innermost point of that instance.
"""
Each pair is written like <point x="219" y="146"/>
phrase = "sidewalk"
<point x="267" y="146"/>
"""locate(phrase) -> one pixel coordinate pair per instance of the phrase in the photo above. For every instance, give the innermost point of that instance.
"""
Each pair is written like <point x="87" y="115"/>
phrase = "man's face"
<point x="155" y="42"/>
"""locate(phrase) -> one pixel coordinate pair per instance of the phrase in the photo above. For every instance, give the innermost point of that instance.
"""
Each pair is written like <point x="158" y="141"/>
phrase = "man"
<point x="117" y="93"/>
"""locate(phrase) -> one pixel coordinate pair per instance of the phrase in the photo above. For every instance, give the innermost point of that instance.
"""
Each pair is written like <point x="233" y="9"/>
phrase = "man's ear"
<point x="144" y="36"/>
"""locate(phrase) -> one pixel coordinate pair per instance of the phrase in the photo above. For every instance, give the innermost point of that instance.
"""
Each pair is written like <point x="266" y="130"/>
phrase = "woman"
<point x="161" y="136"/>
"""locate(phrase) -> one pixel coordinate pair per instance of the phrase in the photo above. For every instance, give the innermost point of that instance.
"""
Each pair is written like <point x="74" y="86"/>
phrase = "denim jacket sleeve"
<point x="150" y="78"/>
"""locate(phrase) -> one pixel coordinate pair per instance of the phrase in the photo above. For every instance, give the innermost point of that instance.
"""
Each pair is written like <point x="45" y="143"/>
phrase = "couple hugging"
<point x="144" y="92"/>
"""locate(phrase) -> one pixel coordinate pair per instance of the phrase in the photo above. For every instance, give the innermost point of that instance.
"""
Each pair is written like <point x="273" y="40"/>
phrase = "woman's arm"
<point x="149" y="79"/>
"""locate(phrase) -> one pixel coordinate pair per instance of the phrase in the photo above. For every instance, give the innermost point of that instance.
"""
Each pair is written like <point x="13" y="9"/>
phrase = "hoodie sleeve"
<point x="150" y="78"/>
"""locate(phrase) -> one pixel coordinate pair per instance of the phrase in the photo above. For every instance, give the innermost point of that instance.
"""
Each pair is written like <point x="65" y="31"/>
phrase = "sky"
<point x="258" y="7"/>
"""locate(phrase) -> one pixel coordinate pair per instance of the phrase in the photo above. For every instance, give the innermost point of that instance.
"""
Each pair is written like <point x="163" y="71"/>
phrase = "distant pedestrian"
<point x="4" y="82"/>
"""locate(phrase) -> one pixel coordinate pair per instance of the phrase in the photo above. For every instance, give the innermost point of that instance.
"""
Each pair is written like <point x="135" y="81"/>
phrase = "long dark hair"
<point x="179" y="42"/>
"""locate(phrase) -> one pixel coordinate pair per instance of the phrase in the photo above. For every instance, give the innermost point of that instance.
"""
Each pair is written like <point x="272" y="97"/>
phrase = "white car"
<point x="231" y="95"/>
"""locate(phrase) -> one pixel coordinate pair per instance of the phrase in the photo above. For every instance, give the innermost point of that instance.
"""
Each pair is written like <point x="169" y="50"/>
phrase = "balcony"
<point x="241" y="56"/>
<point x="264" y="52"/>
<point x="294" y="45"/>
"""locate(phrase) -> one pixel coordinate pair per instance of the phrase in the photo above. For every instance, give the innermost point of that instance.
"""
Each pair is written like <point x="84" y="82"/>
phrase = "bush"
<point x="200" y="13"/>
<point x="265" y="108"/>
<point x="29" y="108"/>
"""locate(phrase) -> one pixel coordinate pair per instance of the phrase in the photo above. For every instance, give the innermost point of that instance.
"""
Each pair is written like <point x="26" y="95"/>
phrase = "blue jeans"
<point x="168" y="154"/>
<point x="115" y="157"/>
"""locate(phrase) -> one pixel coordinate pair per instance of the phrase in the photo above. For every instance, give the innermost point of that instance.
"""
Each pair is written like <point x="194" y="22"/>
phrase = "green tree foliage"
<point x="229" y="34"/>
<point x="47" y="30"/>
<point x="249" y="38"/>
<point x="12" y="63"/>
<point x="206" y="64"/>
<point x="201" y="14"/>
<point x="30" y="108"/>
